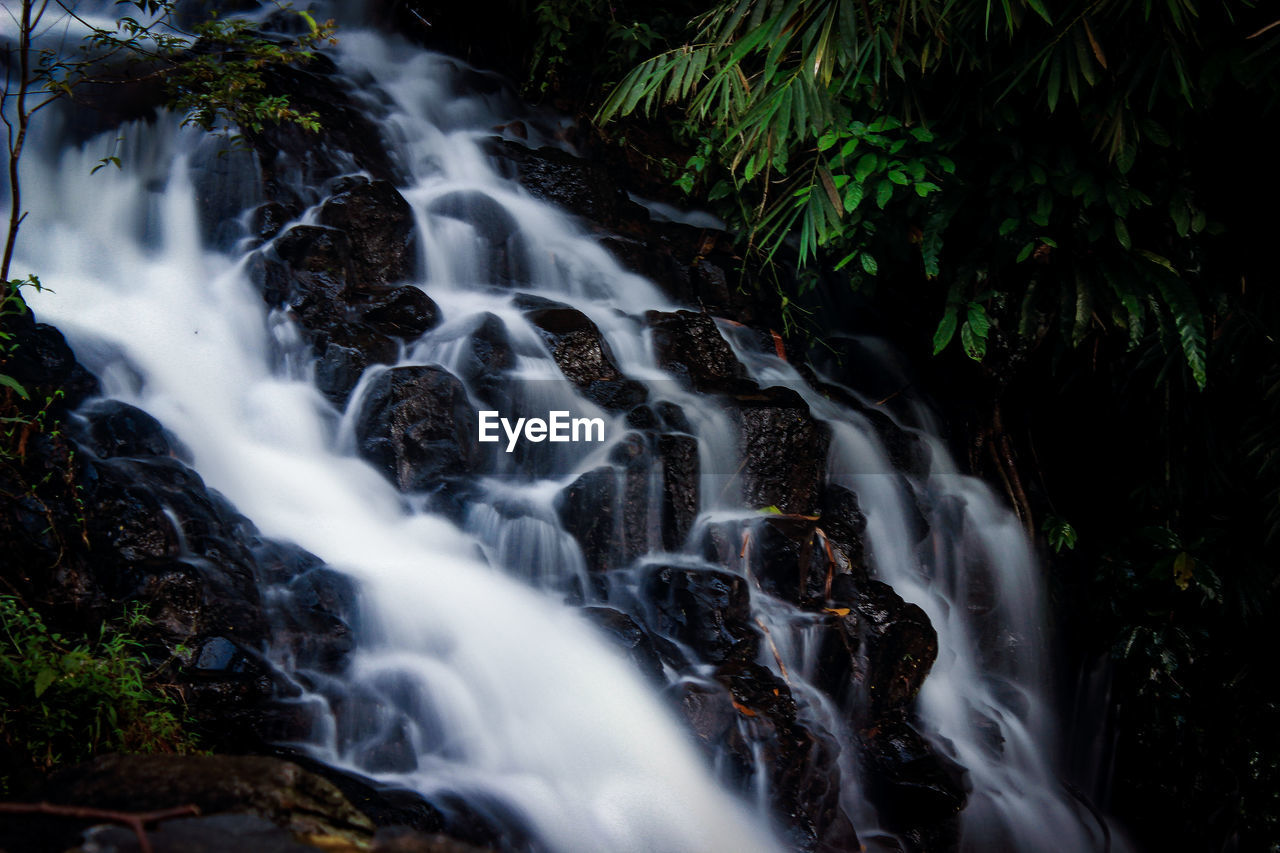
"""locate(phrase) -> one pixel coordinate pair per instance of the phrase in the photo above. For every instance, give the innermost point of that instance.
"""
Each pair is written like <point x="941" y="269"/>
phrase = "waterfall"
<point x="493" y="685"/>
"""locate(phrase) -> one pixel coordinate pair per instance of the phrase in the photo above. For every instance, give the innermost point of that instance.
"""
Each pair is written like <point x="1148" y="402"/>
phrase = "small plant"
<point x="66" y="699"/>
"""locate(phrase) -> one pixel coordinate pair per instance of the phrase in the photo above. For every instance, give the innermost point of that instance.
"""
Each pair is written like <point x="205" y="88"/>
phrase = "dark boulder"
<point x="801" y="762"/>
<point x="783" y="448"/>
<point x="845" y="527"/>
<point x="788" y="556"/>
<point x="689" y="345"/>
<point x="312" y="274"/>
<point x="706" y="609"/>
<point x="630" y="637"/>
<point x="39" y="359"/>
<point x="418" y="426"/>
<point x="490" y="219"/>
<point x="579" y="186"/>
<point x="584" y="356"/>
<point x="111" y="428"/>
<point x="486" y="357"/>
<point x="916" y="790"/>
<point x="588" y="509"/>
<point x="403" y="312"/>
<point x="678" y="456"/>
<point x="892" y="643"/>
<point x="379" y="224"/>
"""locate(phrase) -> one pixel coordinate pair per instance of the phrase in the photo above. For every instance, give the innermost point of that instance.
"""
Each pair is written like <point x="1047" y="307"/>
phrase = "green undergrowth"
<point x="65" y="698"/>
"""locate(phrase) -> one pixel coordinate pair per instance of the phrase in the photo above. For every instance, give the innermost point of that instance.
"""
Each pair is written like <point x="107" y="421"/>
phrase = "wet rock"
<point x="689" y="345"/>
<point x="694" y="266"/>
<point x="678" y="456"/>
<point x="490" y="219"/>
<point x="579" y="186"/>
<point x="314" y="616"/>
<point x="783" y="448"/>
<point x="379" y="225"/>
<point x="911" y="785"/>
<point x="404" y="813"/>
<point x="801" y="762"/>
<point x="672" y="460"/>
<point x="706" y="609"/>
<point x="403" y="312"/>
<point x="348" y="141"/>
<point x="629" y="636"/>
<point x="41" y="361"/>
<point x="588" y="509"/>
<point x="113" y="428"/>
<point x="338" y="371"/>
<point x="788" y="556"/>
<point x="488" y="355"/>
<point x="269" y="217"/>
<point x="584" y="356"/>
<point x="897" y="643"/>
<point x="845" y="526"/>
<point x="312" y="276"/>
<point x="417" y="425"/>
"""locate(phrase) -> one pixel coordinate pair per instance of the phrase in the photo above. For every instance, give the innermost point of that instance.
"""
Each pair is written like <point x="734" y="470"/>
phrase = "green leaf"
<point x="1122" y="234"/>
<point x="1181" y="216"/>
<point x="1189" y="322"/>
<point x="1038" y="8"/>
<point x="1124" y="161"/>
<point x="884" y="191"/>
<point x="1008" y="226"/>
<point x="1026" y="252"/>
<point x="865" y="166"/>
<point x="826" y="140"/>
<point x="45" y="677"/>
<point x="974" y="346"/>
<point x="869" y="264"/>
<point x="945" y="331"/>
<point x="853" y="197"/>
<point x="979" y="320"/>
<point x="898" y="178"/>
<point x="9" y="382"/>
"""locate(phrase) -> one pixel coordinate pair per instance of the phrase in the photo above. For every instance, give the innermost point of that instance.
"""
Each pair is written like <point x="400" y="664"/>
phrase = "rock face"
<point x="418" y="426"/>
<point x="576" y="185"/>
<point x="378" y="223"/>
<point x="784" y="448"/>
<point x="582" y="354"/>
<point x="690" y="346"/>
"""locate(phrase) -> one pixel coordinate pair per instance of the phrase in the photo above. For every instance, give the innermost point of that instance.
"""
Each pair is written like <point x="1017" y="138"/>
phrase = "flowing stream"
<point x="503" y="690"/>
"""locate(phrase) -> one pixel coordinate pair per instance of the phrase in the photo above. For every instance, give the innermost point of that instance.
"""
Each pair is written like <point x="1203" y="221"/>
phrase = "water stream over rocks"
<point x="761" y="614"/>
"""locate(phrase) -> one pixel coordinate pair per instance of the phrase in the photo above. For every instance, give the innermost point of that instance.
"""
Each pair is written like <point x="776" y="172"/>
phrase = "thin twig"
<point x="134" y="820"/>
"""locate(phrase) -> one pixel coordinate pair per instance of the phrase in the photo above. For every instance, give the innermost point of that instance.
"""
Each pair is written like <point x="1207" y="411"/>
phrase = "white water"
<point x="508" y="692"/>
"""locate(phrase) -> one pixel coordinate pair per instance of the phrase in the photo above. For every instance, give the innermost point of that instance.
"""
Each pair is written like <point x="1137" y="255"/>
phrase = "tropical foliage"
<point x="836" y="127"/>
<point x="66" y="699"/>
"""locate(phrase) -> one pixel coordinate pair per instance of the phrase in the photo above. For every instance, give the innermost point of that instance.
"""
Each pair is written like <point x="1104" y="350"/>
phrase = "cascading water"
<point x="492" y="686"/>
